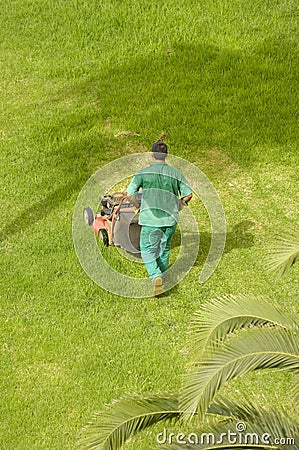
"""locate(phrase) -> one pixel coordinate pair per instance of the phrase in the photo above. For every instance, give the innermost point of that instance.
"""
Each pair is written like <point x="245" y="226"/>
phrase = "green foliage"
<point x="271" y="341"/>
<point x="257" y="349"/>
<point x="284" y="254"/>
<point x="126" y="417"/>
<point x="223" y="316"/>
<point x="281" y="431"/>
<point x="253" y="340"/>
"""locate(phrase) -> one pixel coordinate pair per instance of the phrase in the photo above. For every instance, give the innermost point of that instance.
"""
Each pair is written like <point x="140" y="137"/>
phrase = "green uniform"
<point x="161" y="187"/>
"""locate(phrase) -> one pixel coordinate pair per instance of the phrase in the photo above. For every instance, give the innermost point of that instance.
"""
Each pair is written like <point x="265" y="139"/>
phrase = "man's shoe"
<point x="158" y="286"/>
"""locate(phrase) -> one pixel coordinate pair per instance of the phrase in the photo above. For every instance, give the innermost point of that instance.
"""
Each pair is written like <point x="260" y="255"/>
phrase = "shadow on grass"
<point x="239" y="237"/>
<point x="206" y="97"/>
<point x="201" y="96"/>
<point x="32" y="214"/>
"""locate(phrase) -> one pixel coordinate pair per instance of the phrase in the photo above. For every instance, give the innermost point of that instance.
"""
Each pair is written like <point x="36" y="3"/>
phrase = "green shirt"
<point x="161" y="186"/>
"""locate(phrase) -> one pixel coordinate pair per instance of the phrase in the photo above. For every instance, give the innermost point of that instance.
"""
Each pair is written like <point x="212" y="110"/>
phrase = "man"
<point x="161" y="187"/>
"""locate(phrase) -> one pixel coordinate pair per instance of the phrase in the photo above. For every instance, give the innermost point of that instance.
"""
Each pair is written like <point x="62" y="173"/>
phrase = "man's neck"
<point x="159" y="160"/>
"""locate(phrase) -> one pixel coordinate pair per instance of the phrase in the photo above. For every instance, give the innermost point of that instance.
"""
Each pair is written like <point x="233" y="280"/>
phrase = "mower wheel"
<point x="88" y="216"/>
<point x="103" y="236"/>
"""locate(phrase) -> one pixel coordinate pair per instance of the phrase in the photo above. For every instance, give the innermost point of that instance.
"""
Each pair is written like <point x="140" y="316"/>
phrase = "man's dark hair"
<point x="159" y="150"/>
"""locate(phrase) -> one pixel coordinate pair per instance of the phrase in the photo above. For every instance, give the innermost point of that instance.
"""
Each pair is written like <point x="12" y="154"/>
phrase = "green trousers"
<point x="155" y="248"/>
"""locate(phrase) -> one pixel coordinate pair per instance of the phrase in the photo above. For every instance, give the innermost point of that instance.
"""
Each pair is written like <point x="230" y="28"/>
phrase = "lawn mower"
<point x="116" y="223"/>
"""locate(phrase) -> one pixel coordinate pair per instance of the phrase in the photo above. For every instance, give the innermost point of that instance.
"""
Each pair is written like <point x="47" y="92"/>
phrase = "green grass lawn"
<point x="221" y="80"/>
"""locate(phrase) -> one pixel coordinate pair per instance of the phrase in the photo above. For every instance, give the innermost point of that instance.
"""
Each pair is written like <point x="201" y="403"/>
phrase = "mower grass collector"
<point x="116" y="223"/>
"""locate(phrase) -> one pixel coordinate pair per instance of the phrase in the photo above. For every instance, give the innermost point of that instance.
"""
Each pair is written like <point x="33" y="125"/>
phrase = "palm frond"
<point x="250" y="426"/>
<point x="227" y="436"/>
<point x="295" y="390"/>
<point x="126" y="417"/>
<point x="284" y="254"/>
<point x="258" y="348"/>
<point x="266" y="426"/>
<point x="217" y="320"/>
<point x="229" y="409"/>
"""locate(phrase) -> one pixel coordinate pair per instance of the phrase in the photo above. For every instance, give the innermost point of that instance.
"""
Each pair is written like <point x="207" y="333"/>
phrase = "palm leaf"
<point x="259" y="429"/>
<point x="258" y="348"/>
<point x="112" y="428"/>
<point x="125" y="418"/>
<point x="296" y="390"/>
<point x="215" y="321"/>
<point x="234" y="410"/>
<point x="285" y="254"/>
<point x="261" y="435"/>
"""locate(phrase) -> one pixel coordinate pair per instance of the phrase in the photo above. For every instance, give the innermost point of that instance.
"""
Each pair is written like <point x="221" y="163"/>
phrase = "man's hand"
<point x="184" y="201"/>
<point x="133" y="200"/>
<point x="187" y="198"/>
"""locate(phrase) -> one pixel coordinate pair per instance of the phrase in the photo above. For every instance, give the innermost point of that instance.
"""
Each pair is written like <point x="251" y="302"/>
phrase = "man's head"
<point x="159" y="151"/>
